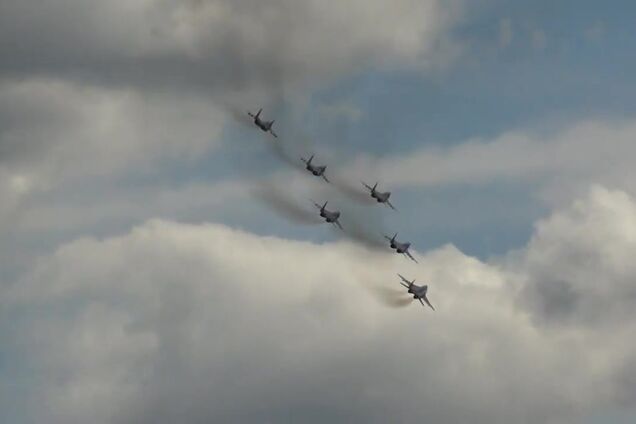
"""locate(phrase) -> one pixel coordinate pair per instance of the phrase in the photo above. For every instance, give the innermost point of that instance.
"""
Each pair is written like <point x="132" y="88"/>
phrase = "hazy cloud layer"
<point x="53" y="129"/>
<point x="167" y="324"/>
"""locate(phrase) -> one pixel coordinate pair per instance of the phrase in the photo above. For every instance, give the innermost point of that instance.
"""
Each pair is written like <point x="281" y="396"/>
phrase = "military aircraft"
<point x="317" y="170"/>
<point x="418" y="292"/>
<point x="330" y="216"/>
<point x="263" y="125"/>
<point x="381" y="197"/>
<point x="402" y="248"/>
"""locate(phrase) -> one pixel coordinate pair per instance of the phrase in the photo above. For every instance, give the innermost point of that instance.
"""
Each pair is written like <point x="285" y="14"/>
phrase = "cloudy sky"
<point x="160" y="263"/>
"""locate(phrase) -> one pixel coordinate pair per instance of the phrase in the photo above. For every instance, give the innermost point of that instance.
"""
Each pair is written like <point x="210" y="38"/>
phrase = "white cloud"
<point x="565" y="162"/>
<point x="202" y="323"/>
<point x="580" y="261"/>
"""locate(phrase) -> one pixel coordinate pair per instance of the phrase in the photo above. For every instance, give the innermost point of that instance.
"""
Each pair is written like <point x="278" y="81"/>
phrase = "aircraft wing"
<point x="390" y="205"/>
<point x="325" y="178"/>
<point x="406" y="283"/>
<point x="407" y="253"/>
<point x="424" y="299"/>
<point x="367" y="186"/>
<point x="404" y="279"/>
<point x="273" y="133"/>
<point x="338" y="224"/>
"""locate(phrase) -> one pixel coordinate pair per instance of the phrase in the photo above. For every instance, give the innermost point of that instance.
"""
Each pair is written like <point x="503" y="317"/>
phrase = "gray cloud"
<point x="217" y="44"/>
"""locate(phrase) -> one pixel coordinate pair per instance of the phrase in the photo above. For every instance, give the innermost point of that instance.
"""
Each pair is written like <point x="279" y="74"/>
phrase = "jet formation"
<point x="332" y="217"/>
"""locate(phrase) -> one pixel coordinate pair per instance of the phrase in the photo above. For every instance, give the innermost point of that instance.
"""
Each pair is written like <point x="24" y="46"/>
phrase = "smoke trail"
<point x="355" y="192"/>
<point x="281" y="202"/>
<point x="358" y="232"/>
<point x="283" y="150"/>
<point x="391" y="297"/>
<point x="364" y="226"/>
<point x="240" y="116"/>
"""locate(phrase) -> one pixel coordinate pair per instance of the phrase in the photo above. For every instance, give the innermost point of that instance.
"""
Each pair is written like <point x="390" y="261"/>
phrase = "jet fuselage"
<point x="400" y="247"/>
<point x="381" y="197"/>
<point x="263" y="125"/>
<point x="316" y="170"/>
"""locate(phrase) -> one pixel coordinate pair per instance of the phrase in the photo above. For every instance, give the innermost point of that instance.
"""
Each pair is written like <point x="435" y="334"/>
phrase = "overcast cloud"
<point x="156" y="262"/>
<point x="218" y="45"/>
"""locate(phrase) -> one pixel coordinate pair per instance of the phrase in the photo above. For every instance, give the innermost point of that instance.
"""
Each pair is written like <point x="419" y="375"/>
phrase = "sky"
<point x="161" y="262"/>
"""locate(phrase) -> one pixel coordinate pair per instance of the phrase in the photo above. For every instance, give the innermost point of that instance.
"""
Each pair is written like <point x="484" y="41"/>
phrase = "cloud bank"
<point x="168" y="324"/>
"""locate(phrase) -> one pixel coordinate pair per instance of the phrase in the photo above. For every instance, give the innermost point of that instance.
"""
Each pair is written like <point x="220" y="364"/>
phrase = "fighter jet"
<point x="263" y="125"/>
<point x="402" y="248"/>
<point x="381" y="197"/>
<point x="330" y="216"/>
<point x="418" y="292"/>
<point x="317" y="170"/>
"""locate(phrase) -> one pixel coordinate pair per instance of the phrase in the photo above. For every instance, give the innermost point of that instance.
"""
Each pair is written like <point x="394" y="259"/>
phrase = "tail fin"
<point x="374" y="186"/>
<point x="393" y="238"/>
<point x="259" y="112"/>
<point x="323" y="206"/>
<point x="309" y="160"/>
